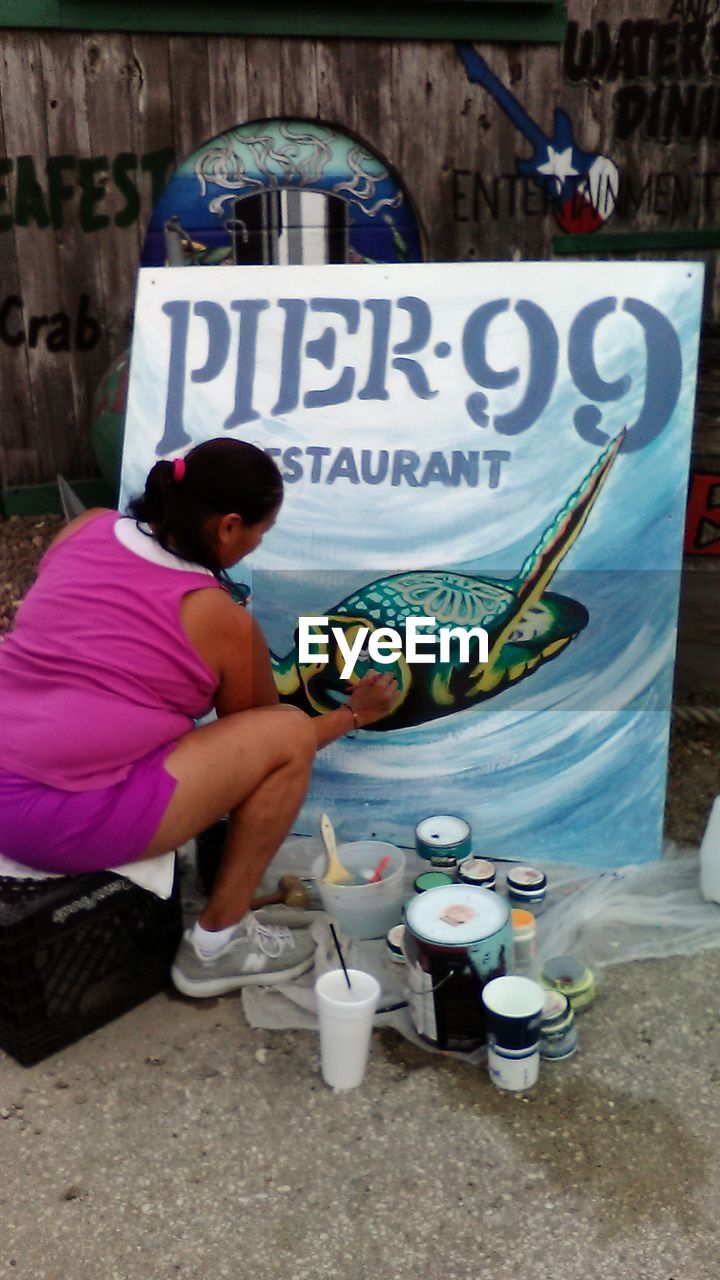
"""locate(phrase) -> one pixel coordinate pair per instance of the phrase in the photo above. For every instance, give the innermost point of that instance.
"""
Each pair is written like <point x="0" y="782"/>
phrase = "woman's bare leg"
<point x="254" y="765"/>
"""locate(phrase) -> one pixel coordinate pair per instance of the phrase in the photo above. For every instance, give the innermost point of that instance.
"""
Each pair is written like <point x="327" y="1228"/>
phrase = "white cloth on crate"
<point x="152" y="874"/>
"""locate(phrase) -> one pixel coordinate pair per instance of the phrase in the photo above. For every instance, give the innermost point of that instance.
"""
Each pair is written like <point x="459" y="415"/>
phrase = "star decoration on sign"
<point x="559" y="165"/>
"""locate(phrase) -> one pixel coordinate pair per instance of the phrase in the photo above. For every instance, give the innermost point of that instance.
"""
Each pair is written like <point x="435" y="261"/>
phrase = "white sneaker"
<point x="255" y="955"/>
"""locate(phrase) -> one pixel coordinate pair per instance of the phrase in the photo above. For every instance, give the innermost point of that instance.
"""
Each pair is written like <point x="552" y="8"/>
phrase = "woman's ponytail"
<point x="214" y="478"/>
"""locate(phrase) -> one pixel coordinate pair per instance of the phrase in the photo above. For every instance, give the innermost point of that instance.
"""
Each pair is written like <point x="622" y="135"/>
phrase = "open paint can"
<point x="456" y="940"/>
<point x="443" y="834"/>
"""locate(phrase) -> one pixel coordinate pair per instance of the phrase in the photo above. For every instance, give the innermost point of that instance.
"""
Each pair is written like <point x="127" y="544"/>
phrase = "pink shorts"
<point x="74" y="832"/>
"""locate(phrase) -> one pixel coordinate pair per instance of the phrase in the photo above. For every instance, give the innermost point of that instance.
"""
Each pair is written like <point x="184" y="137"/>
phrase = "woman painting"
<point x="128" y="636"/>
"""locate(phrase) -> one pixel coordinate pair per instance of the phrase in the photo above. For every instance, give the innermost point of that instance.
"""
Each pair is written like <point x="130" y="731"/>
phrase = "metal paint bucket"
<point x="443" y="833"/>
<point x="456" y="939"/>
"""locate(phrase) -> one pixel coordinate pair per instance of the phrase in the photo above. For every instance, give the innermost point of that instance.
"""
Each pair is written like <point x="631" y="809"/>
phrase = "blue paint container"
<point x="526" y="887"/>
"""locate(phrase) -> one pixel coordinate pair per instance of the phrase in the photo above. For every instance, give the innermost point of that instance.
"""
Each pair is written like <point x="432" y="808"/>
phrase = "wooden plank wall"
<point x="89" y="124"/>
<point x="102" y="109"/>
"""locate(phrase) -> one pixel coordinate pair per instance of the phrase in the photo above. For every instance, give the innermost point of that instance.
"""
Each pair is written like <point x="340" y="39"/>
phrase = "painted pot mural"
<point x="278" y="192"/>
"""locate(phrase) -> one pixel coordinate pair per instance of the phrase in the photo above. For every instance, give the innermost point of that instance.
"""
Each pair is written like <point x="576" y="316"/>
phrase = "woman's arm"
<point x="231" y="642"/>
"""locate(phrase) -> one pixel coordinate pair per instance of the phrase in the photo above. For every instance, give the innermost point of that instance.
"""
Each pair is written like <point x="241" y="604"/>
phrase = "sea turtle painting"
<point x="526" y="625"/>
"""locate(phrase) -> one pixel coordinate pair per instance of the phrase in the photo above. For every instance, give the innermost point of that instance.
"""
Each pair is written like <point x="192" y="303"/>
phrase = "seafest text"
<point x="378" y="349"/>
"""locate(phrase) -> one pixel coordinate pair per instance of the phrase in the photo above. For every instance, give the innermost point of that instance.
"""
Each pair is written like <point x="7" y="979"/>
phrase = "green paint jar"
<point x="572" y="978"/>
<point x="431" y="880"/>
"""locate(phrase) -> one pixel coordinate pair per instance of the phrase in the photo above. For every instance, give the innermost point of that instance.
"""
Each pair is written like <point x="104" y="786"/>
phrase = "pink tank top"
<point x="98" y="671"/>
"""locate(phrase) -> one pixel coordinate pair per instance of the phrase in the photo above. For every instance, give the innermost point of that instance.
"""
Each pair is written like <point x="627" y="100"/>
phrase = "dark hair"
<point x="220" y="476"/>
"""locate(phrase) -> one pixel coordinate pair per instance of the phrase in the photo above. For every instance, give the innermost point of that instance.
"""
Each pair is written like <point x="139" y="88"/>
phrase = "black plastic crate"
<point x="76" y="953"/>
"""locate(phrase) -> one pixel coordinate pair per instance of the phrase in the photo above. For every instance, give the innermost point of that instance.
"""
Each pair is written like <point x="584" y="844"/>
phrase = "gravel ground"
<point x="693" y="775"/>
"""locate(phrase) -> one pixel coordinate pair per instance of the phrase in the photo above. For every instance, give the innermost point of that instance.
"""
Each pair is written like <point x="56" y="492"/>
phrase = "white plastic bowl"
<point x="364" y="910"/>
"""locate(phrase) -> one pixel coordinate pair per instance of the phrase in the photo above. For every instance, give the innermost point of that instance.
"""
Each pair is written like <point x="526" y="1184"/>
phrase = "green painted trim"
<point x="44" y="499"/>
<point x="30" y="13"/>
<point x="636" y="241"/>
<point x="509" y="20"/>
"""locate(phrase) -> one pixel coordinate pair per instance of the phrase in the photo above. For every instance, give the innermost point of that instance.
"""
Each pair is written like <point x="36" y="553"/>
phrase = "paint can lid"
<point x="431" y="880"/>
<point x="572" y="977"/>
<point x="457" y="915"/>
<point x="526" y="879"/>
<point x="478" y="871"/>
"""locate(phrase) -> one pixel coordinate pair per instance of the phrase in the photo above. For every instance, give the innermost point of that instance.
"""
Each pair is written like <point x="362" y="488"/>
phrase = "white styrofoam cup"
<point x="345" y="1015"/>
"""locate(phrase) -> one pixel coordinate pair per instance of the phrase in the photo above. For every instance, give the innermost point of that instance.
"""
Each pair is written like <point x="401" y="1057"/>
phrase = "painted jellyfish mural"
<point x="282" y="192"/>
<point x="526" y="625"/>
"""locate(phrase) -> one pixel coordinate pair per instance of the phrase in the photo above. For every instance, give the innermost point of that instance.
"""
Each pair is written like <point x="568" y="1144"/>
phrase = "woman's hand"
<point x="372" y="699"/>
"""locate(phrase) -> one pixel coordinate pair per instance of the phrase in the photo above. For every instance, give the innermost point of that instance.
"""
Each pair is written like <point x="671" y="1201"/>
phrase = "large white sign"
<point x="495" y="445"/>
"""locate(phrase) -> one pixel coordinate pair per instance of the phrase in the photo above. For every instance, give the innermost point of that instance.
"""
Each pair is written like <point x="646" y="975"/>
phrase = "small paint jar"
<point x="558" y="1033"/>
<point x="431" y="880"/>
<point x="446" y="862"/>
<point x="443" y="833"/>
<point x="526" y="887"/>
<point x="396" y="943"/>
<point x="524" y="939"/>
<point x="572" y="978"/>
<point x="477" y="871"/>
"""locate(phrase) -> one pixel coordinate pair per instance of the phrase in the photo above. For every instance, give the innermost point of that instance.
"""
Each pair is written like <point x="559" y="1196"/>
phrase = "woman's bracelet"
<point x="353" y="713"/>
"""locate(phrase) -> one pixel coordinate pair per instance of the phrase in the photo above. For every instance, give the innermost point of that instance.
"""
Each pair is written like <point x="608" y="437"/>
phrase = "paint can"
<point x="572" y="978"/>
<point x="524" y="932"/>
<point x="526" y="887"/>
<point x="558" y="1033"/>
<point x="477" y="871"/>
<point x="457" y="939"/>
<point x="513" y="1011"/>
<point x="513" y="1069"/>
<point x="396" y="942"/>
<point x="431" y="880"/>
<point x="446" y="862"/>
<point x="443" y="833"/>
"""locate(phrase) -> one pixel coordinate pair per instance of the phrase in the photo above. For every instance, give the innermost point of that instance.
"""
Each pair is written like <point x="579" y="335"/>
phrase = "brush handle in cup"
<point x="335" y="872"/>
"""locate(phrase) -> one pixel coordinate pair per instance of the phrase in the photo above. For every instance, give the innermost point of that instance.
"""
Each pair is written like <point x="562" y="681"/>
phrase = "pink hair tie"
<point x="178" y="469"/>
